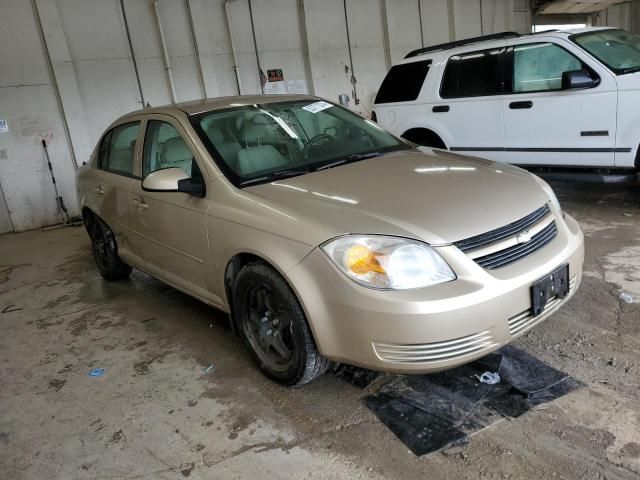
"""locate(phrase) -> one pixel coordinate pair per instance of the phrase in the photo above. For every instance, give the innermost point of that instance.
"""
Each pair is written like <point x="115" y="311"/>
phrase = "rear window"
<point x="473" y="74"/>
<point x="403" y="82"/>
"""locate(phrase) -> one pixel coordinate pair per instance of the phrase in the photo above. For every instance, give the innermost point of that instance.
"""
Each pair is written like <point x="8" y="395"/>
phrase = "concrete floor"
<point x="155" y="413"/>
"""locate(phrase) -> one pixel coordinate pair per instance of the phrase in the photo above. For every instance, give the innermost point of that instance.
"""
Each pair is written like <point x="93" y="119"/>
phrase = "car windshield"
<point x="617" y="49"/>
<point x="261" y="143"/>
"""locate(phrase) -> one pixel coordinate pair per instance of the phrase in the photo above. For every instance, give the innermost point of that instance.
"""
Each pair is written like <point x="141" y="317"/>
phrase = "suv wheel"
<point x="274" y="326"/>
<point x="105" y="252"/>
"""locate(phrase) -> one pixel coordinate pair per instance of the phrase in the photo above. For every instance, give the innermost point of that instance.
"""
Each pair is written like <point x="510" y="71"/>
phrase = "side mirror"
<point x="577" y="79"/>
<point x="173" y="180"/>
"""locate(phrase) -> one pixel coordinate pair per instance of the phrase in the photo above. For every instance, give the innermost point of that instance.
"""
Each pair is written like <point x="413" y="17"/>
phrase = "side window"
<point x="117" y="149"/>
<point x="473" y="74"/>
<point x="403" y="82"/>
<point x="538" y="67"/>
<point x="164" y="147"/>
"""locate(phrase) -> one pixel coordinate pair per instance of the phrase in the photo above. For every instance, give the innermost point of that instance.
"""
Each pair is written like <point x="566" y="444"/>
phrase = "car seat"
<point x="255" y="157"/>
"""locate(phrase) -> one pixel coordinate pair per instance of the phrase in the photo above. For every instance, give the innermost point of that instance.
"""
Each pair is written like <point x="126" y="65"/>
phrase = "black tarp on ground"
<point x="429" y="412"/>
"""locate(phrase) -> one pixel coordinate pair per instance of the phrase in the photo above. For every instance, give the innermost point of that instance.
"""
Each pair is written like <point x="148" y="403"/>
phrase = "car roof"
<point x="194" y="107"/>
<point x="492" y="40"/>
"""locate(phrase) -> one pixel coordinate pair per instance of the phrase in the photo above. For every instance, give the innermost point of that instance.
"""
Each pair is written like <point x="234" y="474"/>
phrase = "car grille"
<point x="435" y="352"/>
<point x="525" y="320"/>
<point x="500" y="247"/>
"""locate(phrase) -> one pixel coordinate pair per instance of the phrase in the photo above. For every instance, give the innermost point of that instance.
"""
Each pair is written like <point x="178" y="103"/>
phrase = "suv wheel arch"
<point x="424" y="137"/>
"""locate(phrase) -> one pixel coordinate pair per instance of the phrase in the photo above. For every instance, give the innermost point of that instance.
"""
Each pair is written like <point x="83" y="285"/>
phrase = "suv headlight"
<point x="393" y="263"/>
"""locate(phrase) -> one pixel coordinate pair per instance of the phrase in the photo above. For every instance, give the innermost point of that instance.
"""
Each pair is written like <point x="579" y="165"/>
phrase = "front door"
<point x="546" y="125"/>
<point x="171" y="227"/>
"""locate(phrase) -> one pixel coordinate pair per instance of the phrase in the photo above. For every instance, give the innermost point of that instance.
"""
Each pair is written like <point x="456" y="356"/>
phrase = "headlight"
<point x="394" y="263"/>
<point x="549" y="191"/>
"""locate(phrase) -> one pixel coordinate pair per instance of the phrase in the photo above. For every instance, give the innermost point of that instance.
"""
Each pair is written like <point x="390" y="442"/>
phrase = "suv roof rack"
<point x="460" y="43"/>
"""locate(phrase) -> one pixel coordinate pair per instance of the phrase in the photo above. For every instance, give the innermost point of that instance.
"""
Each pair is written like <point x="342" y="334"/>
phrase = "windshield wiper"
<point x="631" y="70"/>
<point x="350" y="158"/>
<point x="275" y="176"/>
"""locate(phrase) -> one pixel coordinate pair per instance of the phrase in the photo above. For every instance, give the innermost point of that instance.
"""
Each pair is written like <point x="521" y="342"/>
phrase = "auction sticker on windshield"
<point x="317" y="107"/>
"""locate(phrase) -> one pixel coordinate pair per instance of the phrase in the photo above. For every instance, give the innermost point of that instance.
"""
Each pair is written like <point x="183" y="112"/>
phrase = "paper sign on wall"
<point x="297" y="87"/>
<point x="4" y="126"/>
<point x="275" y="82"/>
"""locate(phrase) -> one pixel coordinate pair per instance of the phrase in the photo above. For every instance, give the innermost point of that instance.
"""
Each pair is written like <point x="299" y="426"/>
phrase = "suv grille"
<point x="485" y="248"/>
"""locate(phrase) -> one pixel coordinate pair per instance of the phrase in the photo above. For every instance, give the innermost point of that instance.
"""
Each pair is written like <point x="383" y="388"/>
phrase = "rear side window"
<point x="117" y="149"/>
<point x="473" y="74"/>
<point x="538" y="67"/>
<point x="403" y="82"/>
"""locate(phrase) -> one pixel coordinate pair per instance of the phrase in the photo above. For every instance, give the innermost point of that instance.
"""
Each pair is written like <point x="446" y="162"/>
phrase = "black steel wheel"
<point x="105" y="252"/>
<point x="274" y="326"/>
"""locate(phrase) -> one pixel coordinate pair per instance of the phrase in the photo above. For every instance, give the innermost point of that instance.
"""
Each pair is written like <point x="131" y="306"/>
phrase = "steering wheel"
<point x="312" y="143"/>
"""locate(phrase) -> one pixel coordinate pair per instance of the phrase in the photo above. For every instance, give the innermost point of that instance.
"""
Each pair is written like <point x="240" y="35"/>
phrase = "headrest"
<point x="175" y="149"/>
<point x="214" y="134"/>
<point x="256" y="128"/>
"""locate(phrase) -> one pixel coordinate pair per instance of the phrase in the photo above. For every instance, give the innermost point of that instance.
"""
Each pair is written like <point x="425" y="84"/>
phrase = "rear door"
<point x="112" y="180"/>
<point x="546" y="125"/>
<point x="469" y="110"/>
<point x="171" y="227"/>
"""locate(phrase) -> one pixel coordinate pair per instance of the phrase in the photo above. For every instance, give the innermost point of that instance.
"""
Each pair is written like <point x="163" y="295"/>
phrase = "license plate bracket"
<point x="554" y="284"/>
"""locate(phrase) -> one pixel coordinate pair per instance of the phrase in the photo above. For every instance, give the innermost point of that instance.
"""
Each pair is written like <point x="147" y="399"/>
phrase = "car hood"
<point x="436" y="196"/>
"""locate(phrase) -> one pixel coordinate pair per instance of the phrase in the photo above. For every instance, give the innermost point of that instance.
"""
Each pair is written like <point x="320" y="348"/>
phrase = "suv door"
<point x="546" y="125"/>
<point x="469" y="112"/>
<point x="171" y="227"/>
<point x="112" y="181"/>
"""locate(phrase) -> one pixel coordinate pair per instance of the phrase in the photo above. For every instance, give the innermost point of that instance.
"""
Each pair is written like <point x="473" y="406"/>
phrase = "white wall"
<point x="94" y="71"/>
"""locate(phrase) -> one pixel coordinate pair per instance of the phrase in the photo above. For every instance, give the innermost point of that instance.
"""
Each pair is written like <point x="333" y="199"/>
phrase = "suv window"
<point x="538" y="67"/>
<point x="164" y="147"/>
<point x="403" y="82"/>
<point x="118" y="147"/>
<point x="473" y="74"/>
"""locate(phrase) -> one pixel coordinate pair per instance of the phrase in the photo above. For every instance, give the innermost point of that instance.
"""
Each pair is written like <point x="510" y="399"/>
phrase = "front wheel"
<point x="274" y="326"/>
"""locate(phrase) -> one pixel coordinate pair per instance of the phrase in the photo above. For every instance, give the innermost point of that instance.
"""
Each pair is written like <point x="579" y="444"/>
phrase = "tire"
<point x="105" y="252"/>
<point x="274" y="327"/>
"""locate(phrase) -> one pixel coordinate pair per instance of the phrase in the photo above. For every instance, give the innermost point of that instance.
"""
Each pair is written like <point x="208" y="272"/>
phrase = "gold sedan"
<point x="327" y="238"/>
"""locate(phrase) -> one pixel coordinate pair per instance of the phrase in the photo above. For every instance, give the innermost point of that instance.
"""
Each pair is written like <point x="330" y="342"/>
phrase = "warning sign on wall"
<point x="275" y="75"/>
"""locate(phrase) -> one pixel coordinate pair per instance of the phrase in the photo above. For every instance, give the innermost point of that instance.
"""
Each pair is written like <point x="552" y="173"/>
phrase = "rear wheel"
<point x="274" y="326"/>
<point x="105" y="252"/>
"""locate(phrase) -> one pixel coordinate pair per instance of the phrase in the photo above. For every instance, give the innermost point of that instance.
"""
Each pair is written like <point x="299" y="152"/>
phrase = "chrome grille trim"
<point x="502" y="246"/>
<point x="434" y="352"/>
<point x="508" y="230"/>
<point x="525" y="320"/>
<point x="520" y="250"/>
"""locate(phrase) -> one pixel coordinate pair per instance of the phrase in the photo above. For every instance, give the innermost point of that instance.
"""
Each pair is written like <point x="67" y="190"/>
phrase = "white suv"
<point x="566" y="99"/>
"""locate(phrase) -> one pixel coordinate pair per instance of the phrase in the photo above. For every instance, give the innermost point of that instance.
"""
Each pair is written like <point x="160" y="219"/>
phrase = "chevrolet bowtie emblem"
<point x="524" y="236"/>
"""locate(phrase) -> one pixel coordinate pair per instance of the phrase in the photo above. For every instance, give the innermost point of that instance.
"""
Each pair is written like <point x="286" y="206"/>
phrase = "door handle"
<point x="140" y="204"/>
<point x="99" y="190"/>
<point x="440" y="109"/>
<point x="521" y="105"/>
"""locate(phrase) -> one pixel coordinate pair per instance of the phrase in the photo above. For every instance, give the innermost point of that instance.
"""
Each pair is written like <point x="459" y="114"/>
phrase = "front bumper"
<point x="434" y="328"/>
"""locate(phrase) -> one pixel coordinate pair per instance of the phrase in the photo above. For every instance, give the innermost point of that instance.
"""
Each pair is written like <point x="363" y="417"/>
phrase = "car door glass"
<point x="164" y="147"/>
<point x="538" y="67"/>
<point x="473" y="74"/>
<point x="118" y="147"/>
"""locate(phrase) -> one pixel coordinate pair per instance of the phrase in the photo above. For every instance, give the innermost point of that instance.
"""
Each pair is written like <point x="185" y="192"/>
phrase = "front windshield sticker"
<point x="317" y="107"/>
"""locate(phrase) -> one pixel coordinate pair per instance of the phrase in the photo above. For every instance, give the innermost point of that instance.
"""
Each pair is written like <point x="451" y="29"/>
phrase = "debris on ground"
<point x="96" y="372"/>
<point x="208" y="369"/>
<point x="626" y="298"/>
<point x="490" y="378"/>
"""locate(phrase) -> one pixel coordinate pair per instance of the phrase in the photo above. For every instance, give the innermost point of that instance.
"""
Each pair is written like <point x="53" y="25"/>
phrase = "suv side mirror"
<point x="577" y="79"/>
<point x="173" y="180"/>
